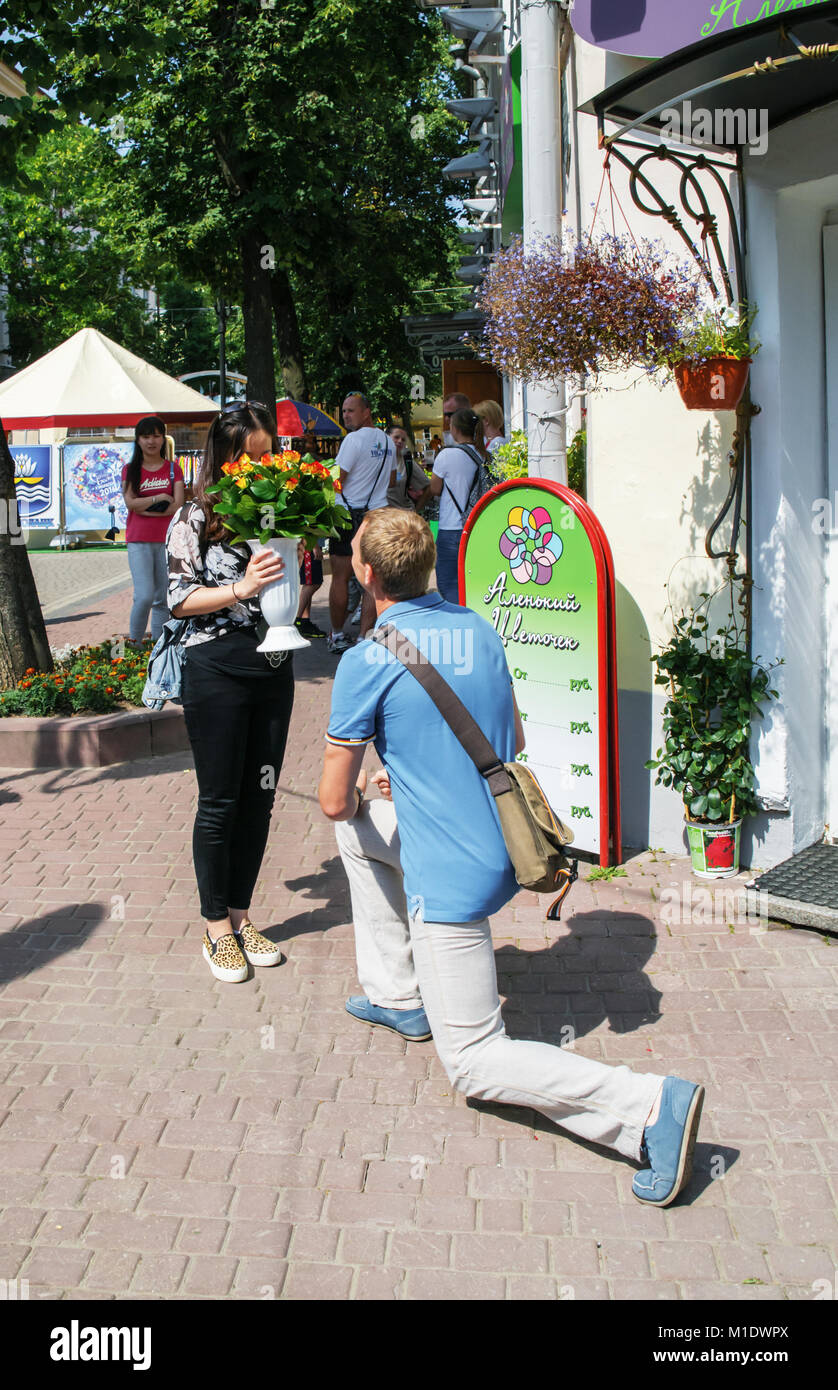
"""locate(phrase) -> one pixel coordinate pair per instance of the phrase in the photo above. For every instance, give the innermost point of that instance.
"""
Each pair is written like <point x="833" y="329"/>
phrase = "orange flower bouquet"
<point x="279" y="495"/>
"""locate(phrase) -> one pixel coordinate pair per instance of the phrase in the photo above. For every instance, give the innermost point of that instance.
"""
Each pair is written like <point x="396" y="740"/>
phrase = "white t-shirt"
<point x="457" y="469"/>
<point x="496" y="443"/>
<point x="361" y="455"/>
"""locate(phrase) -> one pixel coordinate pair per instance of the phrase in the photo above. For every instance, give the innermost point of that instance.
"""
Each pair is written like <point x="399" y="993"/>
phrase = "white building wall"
<point x="657" y="477"/>
<point x="792" y="194"/>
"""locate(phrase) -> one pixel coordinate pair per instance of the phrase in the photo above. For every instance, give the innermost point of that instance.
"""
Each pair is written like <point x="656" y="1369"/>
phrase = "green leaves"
<point x="292" y="122"/>
<point x="715" y="691"/>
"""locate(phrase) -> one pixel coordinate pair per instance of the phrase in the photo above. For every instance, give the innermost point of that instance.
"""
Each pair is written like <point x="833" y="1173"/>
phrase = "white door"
<point x="830" y="263"/>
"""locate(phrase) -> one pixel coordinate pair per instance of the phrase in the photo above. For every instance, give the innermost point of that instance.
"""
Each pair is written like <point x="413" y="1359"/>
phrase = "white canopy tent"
<point x="91" y="382"/>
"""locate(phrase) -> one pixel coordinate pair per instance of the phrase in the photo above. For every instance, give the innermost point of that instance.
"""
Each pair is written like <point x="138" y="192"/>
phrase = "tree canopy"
<point x="287" y="157"/>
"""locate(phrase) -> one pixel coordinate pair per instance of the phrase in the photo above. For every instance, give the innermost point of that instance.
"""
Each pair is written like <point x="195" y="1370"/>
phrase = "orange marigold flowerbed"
<point x="86" y="680"/>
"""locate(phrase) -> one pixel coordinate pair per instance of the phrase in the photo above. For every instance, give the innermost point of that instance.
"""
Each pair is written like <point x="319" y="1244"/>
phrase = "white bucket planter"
<point x="714" y="848"/>
<point x="281" y="599"/>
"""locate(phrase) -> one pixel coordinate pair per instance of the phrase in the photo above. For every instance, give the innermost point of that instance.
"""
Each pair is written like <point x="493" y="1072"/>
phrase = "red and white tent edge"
<point x="91" y="380"/>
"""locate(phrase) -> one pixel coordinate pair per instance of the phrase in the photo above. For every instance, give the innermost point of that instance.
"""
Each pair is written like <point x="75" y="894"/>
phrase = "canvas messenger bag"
<point x="535" y="837"/>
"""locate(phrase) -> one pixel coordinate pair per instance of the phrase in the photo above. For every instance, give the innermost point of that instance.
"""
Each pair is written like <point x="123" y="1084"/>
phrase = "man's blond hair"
<point x="400" y="548"/>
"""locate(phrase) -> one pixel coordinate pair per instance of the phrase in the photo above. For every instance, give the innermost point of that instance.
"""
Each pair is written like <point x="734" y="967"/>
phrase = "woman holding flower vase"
<point x="237" y="705"/>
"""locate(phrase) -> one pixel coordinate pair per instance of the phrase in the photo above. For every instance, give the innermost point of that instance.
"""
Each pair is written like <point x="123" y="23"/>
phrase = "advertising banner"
<point x="533" y="563"/>
<point x="36" y="485"/>
<point x="92" y="483"/>
<point x="656" y="28"/>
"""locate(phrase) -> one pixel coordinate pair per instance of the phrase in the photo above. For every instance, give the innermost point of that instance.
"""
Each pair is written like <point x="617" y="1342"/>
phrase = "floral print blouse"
<point x="190" y="570"/>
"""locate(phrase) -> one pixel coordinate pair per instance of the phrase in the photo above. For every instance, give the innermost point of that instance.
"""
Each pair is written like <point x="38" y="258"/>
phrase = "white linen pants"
<point x="449" y="969"/>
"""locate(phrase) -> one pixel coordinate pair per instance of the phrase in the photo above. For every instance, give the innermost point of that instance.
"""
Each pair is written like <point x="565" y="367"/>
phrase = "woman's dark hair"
<point x="465" y="422"/>
<point x="150" y="424"/>
<point x="225" y="442"/>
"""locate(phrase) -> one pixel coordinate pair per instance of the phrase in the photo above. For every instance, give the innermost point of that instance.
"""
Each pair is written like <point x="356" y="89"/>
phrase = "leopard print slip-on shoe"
<point x="224" y="958"/>
<point x="256" y="947"/>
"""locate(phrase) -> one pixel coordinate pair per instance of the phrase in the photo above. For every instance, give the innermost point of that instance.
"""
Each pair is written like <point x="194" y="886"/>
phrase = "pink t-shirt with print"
<point x="151" y="526"/>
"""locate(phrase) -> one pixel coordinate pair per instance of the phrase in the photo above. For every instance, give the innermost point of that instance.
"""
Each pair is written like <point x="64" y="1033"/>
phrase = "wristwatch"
<point x="361" y="800"/>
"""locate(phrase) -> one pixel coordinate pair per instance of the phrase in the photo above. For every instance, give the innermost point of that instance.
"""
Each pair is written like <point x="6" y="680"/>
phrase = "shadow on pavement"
<point x="76" y="618"/>
<point x="581" y="980"/>
<point x="59" y="779"/>
<point x="41" y="940"/>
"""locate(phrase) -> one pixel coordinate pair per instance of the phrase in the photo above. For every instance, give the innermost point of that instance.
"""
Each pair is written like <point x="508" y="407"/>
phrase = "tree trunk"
<point x="23" y="637"/>
<point x="256" y="256"/>
<point x="291" y="360"/>
<point x="344" y="346"/>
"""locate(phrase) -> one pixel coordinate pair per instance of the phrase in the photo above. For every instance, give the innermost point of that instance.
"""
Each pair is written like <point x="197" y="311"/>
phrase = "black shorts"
<point x="343" y="546"/>
<point x="311" y="570"/>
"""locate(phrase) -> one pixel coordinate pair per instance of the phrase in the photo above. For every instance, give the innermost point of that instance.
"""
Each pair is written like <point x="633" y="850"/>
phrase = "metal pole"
<point x="541" y="131"/>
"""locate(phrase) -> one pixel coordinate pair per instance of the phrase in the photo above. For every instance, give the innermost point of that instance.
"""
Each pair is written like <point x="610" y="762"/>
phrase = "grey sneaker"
<point x="340" y="644"/>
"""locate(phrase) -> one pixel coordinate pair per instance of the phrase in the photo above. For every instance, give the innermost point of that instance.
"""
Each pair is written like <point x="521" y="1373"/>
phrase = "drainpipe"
<point x="541" y="130"/>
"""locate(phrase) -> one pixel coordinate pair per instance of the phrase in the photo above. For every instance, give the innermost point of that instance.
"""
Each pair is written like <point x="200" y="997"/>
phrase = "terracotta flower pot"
<point x="716" y="384"/>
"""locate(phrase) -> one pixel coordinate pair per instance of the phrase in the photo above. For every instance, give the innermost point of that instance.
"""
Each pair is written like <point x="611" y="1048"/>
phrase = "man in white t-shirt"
<point x="367" y="462"/>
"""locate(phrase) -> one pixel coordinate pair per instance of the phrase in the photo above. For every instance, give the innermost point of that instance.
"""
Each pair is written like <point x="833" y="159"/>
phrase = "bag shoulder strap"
<point x="378" y="474"/>
<point x="460" y="509"/>
<point x="457" y="717"/>
<point x="472" y="453"/>
<point x="476" y="460"/>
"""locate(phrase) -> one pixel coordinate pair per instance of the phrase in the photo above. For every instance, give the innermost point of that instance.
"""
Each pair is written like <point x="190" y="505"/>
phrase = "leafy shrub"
<point x="577" y="458"/>
<point x="509" y="460"/>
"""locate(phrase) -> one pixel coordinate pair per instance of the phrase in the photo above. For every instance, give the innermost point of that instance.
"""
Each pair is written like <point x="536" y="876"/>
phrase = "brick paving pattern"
<point x="165" y="1135"/>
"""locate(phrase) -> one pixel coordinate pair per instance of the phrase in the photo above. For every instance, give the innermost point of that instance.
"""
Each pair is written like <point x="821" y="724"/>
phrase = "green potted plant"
<point x="712" y="358"/>
<point x="716" y="689"/>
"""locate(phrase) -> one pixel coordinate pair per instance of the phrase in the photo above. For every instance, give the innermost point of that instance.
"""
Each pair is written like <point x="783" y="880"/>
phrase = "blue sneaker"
<point x="668" y="1144"/>
<point x="411" y="1024"/>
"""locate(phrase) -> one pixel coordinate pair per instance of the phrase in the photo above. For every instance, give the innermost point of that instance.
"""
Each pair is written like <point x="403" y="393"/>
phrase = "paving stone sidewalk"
<point x="164" y="1135"/>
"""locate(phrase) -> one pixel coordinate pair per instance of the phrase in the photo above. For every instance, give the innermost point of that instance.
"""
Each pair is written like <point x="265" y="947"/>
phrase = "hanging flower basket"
<point x="715" y="384"/>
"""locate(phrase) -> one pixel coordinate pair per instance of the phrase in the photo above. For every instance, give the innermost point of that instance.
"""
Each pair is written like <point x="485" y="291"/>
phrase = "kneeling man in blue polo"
<point x="427" y="865"/>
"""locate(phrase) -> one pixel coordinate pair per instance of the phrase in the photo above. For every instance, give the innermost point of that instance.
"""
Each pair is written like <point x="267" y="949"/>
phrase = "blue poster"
<point x="92" y="484"/>
<point x="36" y="485"/>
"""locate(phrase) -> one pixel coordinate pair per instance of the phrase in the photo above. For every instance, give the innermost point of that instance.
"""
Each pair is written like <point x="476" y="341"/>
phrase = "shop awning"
<point x="786" y="65"/>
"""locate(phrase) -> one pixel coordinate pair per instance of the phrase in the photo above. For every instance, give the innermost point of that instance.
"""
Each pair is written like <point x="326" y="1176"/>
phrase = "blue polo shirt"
<point x="456" y="867"/>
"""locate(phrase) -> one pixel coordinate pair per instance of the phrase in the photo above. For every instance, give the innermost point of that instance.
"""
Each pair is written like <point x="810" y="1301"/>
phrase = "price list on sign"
<point x="535" y="564"/>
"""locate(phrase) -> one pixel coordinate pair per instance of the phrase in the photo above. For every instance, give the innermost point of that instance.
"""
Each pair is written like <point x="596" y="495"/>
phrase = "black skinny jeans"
<point x="237" y="709"/>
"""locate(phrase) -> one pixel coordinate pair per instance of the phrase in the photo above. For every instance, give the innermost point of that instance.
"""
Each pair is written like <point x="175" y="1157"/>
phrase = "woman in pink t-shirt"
<point x="153" y="491"/>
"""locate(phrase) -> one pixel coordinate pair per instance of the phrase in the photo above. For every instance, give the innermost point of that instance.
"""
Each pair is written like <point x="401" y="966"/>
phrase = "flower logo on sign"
<point x="530" y="545"/>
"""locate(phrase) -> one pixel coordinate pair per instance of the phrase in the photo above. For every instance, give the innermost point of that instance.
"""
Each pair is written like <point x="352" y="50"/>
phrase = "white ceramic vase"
<point x="281" y="599"/>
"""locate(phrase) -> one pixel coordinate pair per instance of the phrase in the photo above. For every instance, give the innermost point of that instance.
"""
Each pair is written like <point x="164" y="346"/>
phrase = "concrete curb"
<point x="91" y="740"/>
<point x="791" y="910"/>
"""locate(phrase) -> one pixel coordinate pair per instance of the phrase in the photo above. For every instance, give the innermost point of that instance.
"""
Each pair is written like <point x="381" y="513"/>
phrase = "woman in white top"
<point x="458" y="480"/>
